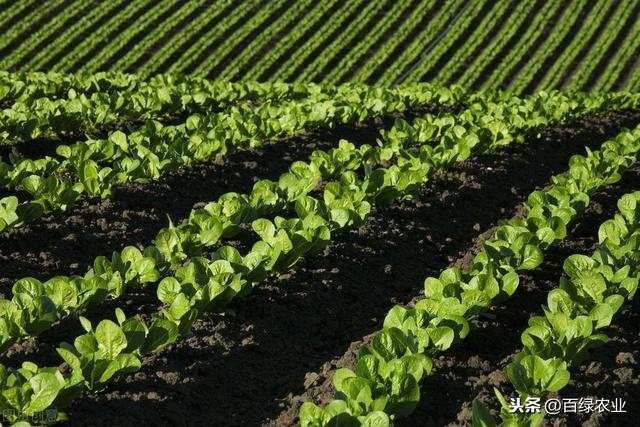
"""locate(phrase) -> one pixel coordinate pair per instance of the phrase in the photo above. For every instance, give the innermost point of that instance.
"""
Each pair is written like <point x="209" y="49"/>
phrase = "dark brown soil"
<point x="254" y="368"/>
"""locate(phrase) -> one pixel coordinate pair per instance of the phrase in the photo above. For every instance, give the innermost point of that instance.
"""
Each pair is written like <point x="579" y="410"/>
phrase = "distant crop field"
<point x="520" y="46"/>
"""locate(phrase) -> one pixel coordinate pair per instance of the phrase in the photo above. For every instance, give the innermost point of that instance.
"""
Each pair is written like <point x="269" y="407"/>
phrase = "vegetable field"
<point x="297" y="213"/>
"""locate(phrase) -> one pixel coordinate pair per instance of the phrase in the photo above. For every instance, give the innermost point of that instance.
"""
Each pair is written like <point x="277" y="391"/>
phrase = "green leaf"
<point x="577" y="263"/>
<point x="532" y="257"/>
<point x="120" y="139"/>
<point x="161" y="333"/>
<point x="86" y="324"/>
<point x="265" y="229"/>
<point x="111" y="339"/>
<point x="340" y="375"/>
<point x="122" y="364"/>
<point x="376" y="419"/>
<point x="46" y="387"/>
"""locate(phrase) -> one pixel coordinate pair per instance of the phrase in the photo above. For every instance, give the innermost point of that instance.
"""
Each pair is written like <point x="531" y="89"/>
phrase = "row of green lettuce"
<point x="20" y="86"/>
<point x="37" y="117"/>
<point x="385" y="383"/>
<point x="94" y="167"/>
<point x="203" y="285"/>
<point x="37" y="107"/>
<point x="592" y="292"/>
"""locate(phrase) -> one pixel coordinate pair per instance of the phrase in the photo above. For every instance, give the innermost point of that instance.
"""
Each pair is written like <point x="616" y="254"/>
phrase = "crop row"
<point x="35" y="57"/>
<point x="31" y="116"/>
<point x="389" y="21"/>
<point x="222" y="219"/>
<point x="201" y="285"/>
<point x="291" y="66"/>
<point x="535" y="65"/>
<point x="152" y="36"/>
<point x="78" y="53"/>
<point x="495" y="48"/>
<point x="218" y="53"/>
<point x="592" y="292"/>
<point x="36" y="40"/>
<point x="179" y="42"/>
<point x="118" y="44"/>
<point x="295" y="13"/>
<point x="10" y="13"/>
<point x="274" y="40"/>
<point x="195" y="52"/>
<point x="259" y="70"/>
<point x="386" y="381"/>
<point x="626" y="54"/>
<point x="27" y="22"/>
